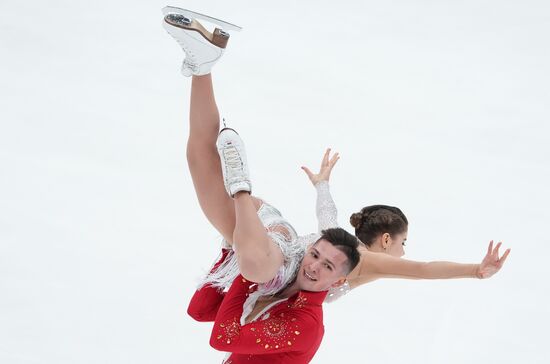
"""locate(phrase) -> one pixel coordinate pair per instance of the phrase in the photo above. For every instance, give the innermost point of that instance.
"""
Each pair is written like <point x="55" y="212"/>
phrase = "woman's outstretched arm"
<point x="380" y="265"/>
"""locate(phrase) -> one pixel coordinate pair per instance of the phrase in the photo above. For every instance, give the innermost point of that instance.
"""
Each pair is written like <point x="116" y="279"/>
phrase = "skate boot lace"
<point x="234" y="164"/>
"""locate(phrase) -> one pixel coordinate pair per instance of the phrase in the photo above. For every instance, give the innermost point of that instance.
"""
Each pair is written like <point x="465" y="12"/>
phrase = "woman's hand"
<point x="326" y="167"/>
<point x="491" y="263"/>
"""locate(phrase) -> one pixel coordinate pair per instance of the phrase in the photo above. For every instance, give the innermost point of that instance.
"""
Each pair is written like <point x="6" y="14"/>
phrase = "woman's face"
<point x="396" y="244"/>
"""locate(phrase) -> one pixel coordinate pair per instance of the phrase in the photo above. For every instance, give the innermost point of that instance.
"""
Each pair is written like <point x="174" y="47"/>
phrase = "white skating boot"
<point x="234" y="165"/>
<point x="202" y="48"/>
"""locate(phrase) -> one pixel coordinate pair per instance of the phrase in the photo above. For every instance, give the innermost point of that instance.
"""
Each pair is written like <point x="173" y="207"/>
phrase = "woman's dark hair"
<point x="346" y="243"/>
<point x="373" y="221"/>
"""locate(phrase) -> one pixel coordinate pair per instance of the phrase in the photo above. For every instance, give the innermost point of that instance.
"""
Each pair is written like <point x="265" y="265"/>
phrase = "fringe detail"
<point x="281" y="232"/>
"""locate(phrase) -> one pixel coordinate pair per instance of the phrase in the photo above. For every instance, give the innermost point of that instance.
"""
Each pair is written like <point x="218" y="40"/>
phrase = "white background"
<point x="438" y="107"/>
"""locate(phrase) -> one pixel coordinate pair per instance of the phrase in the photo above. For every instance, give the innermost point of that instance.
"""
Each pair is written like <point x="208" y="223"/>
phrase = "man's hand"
<point x="326" y="167"/>
<point x="491" y="263"/>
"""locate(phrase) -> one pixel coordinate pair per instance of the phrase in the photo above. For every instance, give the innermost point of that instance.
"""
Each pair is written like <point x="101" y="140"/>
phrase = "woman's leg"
<point x="202" y="156"/>
<point x="259" y="256"/>
<point x="203" y="159"/>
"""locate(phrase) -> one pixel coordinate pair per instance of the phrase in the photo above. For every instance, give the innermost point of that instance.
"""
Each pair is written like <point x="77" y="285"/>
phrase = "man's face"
<point x="323" y="266"/>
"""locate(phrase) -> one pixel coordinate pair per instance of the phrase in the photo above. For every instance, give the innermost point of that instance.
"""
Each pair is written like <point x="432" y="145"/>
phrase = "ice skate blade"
<point x="227" y="128"/>
<point x="193" y="15"/>
<point x="219" y="38"/>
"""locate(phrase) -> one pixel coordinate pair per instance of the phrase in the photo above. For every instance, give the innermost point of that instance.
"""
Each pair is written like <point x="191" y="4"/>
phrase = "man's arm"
<point x="206" y="301"/>
<point x="286" y="332"/>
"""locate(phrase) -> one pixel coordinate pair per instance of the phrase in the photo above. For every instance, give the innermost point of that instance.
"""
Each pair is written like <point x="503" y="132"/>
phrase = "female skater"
<point x="274" y="292"/>
<point x="266" y="249"/>
<point x="383" y="231"/>
<point x="261" y="245"/>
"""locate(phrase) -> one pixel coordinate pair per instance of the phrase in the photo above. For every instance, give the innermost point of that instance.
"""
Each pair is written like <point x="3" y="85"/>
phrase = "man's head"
<point x="328" y="261"/>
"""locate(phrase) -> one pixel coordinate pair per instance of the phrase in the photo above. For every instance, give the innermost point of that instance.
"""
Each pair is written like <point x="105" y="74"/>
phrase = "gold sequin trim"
<point x="230" y="330"/>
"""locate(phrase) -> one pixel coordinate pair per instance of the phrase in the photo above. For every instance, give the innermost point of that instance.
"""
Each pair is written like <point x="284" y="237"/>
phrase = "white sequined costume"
<point x="292" y="246"/>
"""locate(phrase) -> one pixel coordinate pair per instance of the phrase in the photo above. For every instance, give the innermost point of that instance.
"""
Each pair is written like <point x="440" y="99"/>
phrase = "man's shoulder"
<point x="308" y="302"/>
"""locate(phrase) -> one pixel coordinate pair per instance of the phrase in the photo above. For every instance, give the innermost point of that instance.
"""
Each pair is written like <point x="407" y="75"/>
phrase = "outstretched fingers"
<point x="495" y="252"/>
<point x="492" y="263"/>
<point x="333" y="160"/>
<point x="490" y="249"/>
<point x="504" y="256"/>
<point x="325" y="161"/>
<point x="308" y="172"/>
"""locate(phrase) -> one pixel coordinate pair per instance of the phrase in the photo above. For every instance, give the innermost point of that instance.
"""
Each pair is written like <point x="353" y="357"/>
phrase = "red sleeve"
<point x="283" y="332"/>
<point x="206" y="301"/>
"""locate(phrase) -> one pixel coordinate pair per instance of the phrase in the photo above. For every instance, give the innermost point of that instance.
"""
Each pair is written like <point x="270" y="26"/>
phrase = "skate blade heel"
<point x="219" y="38"/>
<point x="194" y="15"/>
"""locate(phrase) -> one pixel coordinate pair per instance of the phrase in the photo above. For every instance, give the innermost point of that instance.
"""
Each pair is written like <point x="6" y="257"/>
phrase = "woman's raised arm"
<point x="326" y="211"/>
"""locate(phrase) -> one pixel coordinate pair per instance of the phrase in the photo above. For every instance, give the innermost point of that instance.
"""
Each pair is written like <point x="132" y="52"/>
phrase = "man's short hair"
<point x="346" y="243"/>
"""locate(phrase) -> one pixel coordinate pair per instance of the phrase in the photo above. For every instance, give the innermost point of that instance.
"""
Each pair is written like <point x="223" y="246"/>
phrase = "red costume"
<point x="290" y="331"/>
<point x="206" y="301"/>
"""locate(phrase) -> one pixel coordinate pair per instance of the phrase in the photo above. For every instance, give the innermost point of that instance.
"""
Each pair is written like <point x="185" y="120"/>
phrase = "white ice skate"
<point x="202" y="48"/>
<point x="234" y="165"/>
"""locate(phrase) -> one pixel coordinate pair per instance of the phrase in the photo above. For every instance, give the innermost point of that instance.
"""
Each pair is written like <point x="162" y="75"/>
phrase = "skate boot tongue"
<point x="234" y="162"/>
